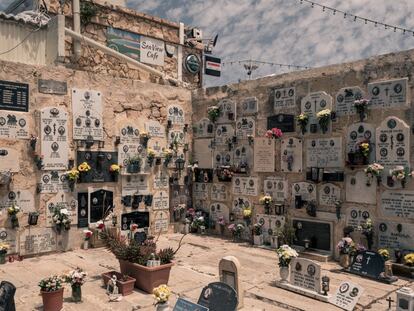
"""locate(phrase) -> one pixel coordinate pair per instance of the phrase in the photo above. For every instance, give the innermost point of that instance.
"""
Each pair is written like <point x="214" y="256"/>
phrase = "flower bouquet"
<point x="51" y="289"/>
<point x="323" y="118"/>
<point x="361" y="107"/>
<point x="266" y="201"/>
<point x="161" y="295"/>
<point x="150" y="156"/>
<point x="401" y="173"/>
<point x="61" y="219"/>
<point x="247" y="215"/>
<point x="303" y="120"/>
<point x="12" y="211"/>
<point x="213" y="113"/>
<point x="87" y="236"/>
<point x="144" y="137"/>
<point x="167" y="157"/>
<point x="368" y="230"/>
<point x="374" y="170"/>
<point x="114" y="169"/>
<point x="72" y="177"/>
<point x="274" y="133"/>
<point x="384" y="253"/>
<point x="346" y="246"/>
<point x="84" y="167"/>
<point x="134" y="164"/>
<point x="236" y="230"/>
<point x="222" y="223"/>
<point x="364" y="148"/>
<point x="409" y="259"/>
<point x="286" y="254"/>
<point x="76" y="278"/>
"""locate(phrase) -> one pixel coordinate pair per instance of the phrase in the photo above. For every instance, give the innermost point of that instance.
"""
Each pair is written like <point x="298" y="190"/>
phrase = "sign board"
<point x="345" y="99"/>
<point x="347" y="295"/>
<point x="52" y="87"/>
<point x="369" y="264"/>
<point x="245" y="185"/>
<point x="151" y="51"/>
<point x="284" y="122"/>
<point x="305" y="273"/>
<point x="284" y="98"/>
<point x="14" y="125"/>
<point x="264" y="154"/>
<point x="192" y="64"/>
<point x="14" y="96"/>
<point x="324" y="152"/>
<point x="212" y="66"/>
<point x="291" y="159"/>
<point x="388" y="94"/>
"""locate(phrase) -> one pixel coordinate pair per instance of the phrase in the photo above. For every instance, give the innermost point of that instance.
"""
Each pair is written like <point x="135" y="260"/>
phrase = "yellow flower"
<point x="247" y="213"/>
<point x="150" y="152"/>
<point x="84" y="167"/>
<point x="114" y="168"/>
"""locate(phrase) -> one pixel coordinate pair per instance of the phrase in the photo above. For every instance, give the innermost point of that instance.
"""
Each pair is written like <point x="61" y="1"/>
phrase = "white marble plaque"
<point x="357" y="216"/>
<point x="175" y="113"/>
<point x="329" y="194"/>
<point x="248" y="106"/>
<point x="388" y="94"/>
<point x="271" y="224"/>
<point x="245" y="185"/>
<point x="14" y="125"/>
<point x="395" y="235"/>
<point x="245" y="126"/>
<point x="203" y="153"/>
<point x="305" y="273"/>
<point x="129" y="145"/>
<point x="9" y="236"/>
<point x="347" y="295"/>
<point x="53" y="182"/>
<point x="62" y="200"/>
<point x="201" y="190"/>
<point x="243" y="155"/>
<point x="284" y="98"/>
<point x="176" y="136"/>
<point x="160" y="180"/>
<point x="305" y="189"/>
<point x="203" y="128"/>
<point x="291" y="159"/>
<point x="264" y="154"/>
<point x="345" y="99"/>
<point x="276" y="187"/>
<point x="398" y="203"/>
<point x="240" y="203"/>
<point x="227" y="111"/>
<point x="324" y="152"/>
<point x="158" y="145"/>
<point x="357" y="133"/>
<point x="222" y="158"/>
<point x="54" y="138"/>
<point x="87" y="114"/>
<point x="22" y="198"/>
<point x="219" y="192"/>
<point x="201" y="205"/>
<point x="161" y="222"/>
<point x="9" y="160"/>
<point x="160" y="200"/>
<point x="357" y="189"/>
<point x="393" y="142"/>
<point x="218" y="210"/>
<point x="154" y="129"/>
<point x="224" y="134"/>
<point x="312" y="103"/>
<point x="135" y="184"/>
<point x="37" y="240"/>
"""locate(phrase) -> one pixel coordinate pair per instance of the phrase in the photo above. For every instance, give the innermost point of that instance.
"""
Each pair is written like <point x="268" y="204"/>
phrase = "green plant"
<point x="135" y="160"/>
<point x="87" y="11"/>
<point x="166" y="255"/>
<point x="213" y="113"/>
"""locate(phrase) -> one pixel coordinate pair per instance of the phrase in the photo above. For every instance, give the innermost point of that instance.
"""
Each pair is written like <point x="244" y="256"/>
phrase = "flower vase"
<point x="267" y="209"/>
<point x="14" y="222"/>
<point x="86" y="244"/>
<point x="344" y="260"/>
<point x="71" y="185"/>
<point x="361" y="116"/>
<point x="379" y="179"/>
<point x="221" y="230"/>
<point x="76" y="293"/>
<point x="398" y="256"/>
<point x="303" y="129"/>
<point x="3" y="258"/>
<point x="284" y="274"/>
<point x="403" y="183"/>
<point x="163" y="306"/>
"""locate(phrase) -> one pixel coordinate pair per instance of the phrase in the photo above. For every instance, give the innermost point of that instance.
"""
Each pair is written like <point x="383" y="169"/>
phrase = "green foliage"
<point x="87" y="11"/>
<point x="166" y="255"/>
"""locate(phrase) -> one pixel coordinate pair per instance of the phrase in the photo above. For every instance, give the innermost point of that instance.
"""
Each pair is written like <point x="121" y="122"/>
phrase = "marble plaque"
<point x="284" y="98"/>
<point x="248" y="106"/>
<point x="87" y="114"/>
<point x="9" y="236"/>
<point x="161" y="222"/>
<point x="14" y="125"/>
<point x="54" y="138"/>
<point x="291" y="159"/>
<point x="240" y="203"/>
<point x="227" y="111"/>
<point x="22" y="198"/>
<point x="284" y="122"/>
<point x="271" y="224"/>
<point x="37" y="240"/>
<point x="224" y="134"/>
<point x="160" y="201"/>
<point x="357" y="189"/>
<point x="357" y="216"/>
<point x="158" y="145"/>
<point x="218" y="210"/>
<point x="201" y="191"/>
<point x="357" y="133"/>
<point x="393" y="142"/>
<point x="312" y="103"/>
<point x="52" y="87"/>
<point x="154" y="129"/>
<point x="305" y="273"/>
<point x="395" y="235"/>
<point x="243" y="155"/>
<point x="324" y="152"/>
<point x="245" y="126"/>
<point x="329" y="194"/>
<point x="245" y="185"/>
<point x="9" y="160"/>
<point x="222" y="158"/>
<point x="129" y="145"/>
<point x="53" y="182"/>
<point x="276" y="187"/>
<point x="203" y="153"/>
<point x="398" y="204"/>
<point x="203" y="128"/>
<point x="62" y="200"/>
<point x="388" y="94"/>
<point x="176" y="114"/>
<point x="176" y="136"/>
<point x="305" y="189"/>
<point x="347" y="295"/>
<point x="264" y="154"/>
<point x="160" y="180"/>
<point x="345" y="99"/>
<point x="135" y="184"/>
<point x="219" y="192"/>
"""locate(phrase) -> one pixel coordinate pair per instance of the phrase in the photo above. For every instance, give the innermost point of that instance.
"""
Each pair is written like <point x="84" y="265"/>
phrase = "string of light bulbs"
<point x="355" y="18"/>
<point x="266" y="63"/>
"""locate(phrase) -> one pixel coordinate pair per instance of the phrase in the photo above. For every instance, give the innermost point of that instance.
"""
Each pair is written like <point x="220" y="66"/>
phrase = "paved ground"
<point x="196" y="266"/>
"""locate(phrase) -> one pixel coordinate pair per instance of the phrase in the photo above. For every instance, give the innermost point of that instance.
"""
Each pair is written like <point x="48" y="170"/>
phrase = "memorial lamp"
<point x="114" y="220"/>
<point x="32" y="219"/>
<point x="325" y="285"/>
<point x="179" y="164"/>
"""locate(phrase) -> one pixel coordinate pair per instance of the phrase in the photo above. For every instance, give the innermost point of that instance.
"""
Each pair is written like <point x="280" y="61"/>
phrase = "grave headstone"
<point x="357" y="189"/>
<point x="52" y="87"/>
<point x="37" y="240"/>
<point x="203" y="128"/>
<point x="54" y="138"/>
<point x="291" y="159"/>
<point x="284" y="122"/>
<point x="224" y="134"/>
<point x="129" y="145"/>
<point x="324" y="152"/>
<point x="276" y="187"/>
<point x="357" y="133"/>
<point x="135" y="184"/>
<point x="100" y="163"/>
<point x="14" y="125"/>
<point x="318" y="232"/>
<point x="22" y="198"/>
<point x="227" y="111"/>
<point x="218" y="296"/>
<point x="185" y="305"/>
<point x="175" y="113"/>
<point x="368" y="264"/>
<point x="245" y="126"/>
<point x="53" y="182"/>
<point x="306" y="190"/>
<point x="203" y="175"/>
<point x="284" y="98"/>
<point x="357" y="216"/>
<point x="160" y="180"/>
<point x="14" y="96"/>
<point x="9" y="236"/>
<point x="264" y="154"/>
<point x="9" y="160"/>
<point x="160" y="221"/>
<point x="395" y="235"/>
<point x="219" y="192"/>
<point x="62" y="200"/>
<point x="249" y="106"/>
<point x="229" y="268"/>
<point x="139" y="218"/>
<point x="271" y="225"/>
<point x="398" y="204"/>
<point x="240" y="203"/>
<point x="245" y="185"/>
<point x="201" y="190"/>
<point x="329" y="194"/>
<point x="312" y="103"/>
<point x="243" y="155"/>
<point x="203" y="153"/>
<point x="154" y="129"/>
<point x="160" y="201"/>
<point x="83" y="210"/>
<point x="176" y="136"/>
<point x="388" y="94"/>
<point x="345" y="99"/>
<point x="222" y="158"/>
<point x="347" y="295"/>
<point x="218" y="210"/>
<point x="306" y="274"/>
<point x="101" y="202"/>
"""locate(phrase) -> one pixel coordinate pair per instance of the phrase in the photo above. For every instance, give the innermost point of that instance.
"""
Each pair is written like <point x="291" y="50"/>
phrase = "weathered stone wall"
<point x="125" y="102"/>
<point x="330" y="80"/>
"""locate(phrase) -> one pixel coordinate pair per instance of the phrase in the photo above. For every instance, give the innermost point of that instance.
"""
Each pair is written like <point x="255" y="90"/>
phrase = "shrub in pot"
<point x="51" y="289"/>
<point x="124" y="282"/>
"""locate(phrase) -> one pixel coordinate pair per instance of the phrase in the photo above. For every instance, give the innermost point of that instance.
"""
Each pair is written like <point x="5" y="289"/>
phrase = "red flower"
<point x="101" y="226"/>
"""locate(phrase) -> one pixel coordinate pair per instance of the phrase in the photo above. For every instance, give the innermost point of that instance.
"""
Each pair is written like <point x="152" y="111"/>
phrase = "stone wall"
<point x="125" y="102"/>
<point x="389" y="206"/>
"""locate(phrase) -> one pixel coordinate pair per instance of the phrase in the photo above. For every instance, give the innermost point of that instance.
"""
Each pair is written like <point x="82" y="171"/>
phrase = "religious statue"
<point x="112" y="290"/>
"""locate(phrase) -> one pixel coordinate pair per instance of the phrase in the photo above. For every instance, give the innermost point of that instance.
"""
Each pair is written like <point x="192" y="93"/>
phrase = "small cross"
<point x="389" y="302"/>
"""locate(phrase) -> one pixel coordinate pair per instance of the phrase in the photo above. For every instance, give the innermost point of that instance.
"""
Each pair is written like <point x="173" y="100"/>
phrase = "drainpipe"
<point x="180" y="53"/>
<point x="76" y="28"/>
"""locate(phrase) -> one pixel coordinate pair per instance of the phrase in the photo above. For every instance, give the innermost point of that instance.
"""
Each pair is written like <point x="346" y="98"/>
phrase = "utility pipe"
<point x="76" y="28"/>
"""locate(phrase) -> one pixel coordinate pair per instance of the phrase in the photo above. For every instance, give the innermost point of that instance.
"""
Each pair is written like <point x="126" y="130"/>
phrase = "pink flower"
<point x="277" y="132"/>
<point x="269" y="134"/>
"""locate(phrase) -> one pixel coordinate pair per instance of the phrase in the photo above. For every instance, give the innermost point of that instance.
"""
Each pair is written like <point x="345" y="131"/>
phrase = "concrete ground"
<point x="196" y="266"/>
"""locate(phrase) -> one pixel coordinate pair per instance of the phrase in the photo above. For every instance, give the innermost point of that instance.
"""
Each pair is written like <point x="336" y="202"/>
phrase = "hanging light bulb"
<point x="323" y="9"/>
<point x="355" y="18"/>
<point x="344" y="15"/>
<point x="334" y="12"/>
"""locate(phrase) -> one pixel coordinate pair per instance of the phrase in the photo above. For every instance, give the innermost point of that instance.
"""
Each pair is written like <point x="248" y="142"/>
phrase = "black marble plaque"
<point x="99" y="161"/>
<point x="139" y="218"/>
<point x="318" y="233"/>
<point x="100" y="204"/>
<point x="203" y="175"/>
<point x="83" y="210"/>
<point x="14" y="96"/>
<point x="185" y="305"/>
<point x="368" y="264"/>
<point x="218" y="296"/>
<point x="52" y="87"/>
<point x="285" y="122"/>
<point x="140" y="237"/>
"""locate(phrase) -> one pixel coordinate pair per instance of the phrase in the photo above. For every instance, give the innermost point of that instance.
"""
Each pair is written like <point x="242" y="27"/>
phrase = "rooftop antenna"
<point x="250" y="67"/>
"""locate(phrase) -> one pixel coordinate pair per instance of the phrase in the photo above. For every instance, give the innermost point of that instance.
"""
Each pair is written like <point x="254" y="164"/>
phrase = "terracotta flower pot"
<point x="52" y="301"/>
<point x="146" y="278"/>
<point x="125" y="287"/>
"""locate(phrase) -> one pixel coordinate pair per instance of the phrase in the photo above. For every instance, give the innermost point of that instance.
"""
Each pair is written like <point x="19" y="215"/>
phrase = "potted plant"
<point x="400" y="173"/>
<point x="167" y="157"/>
<point x="12" y="211"/>
<point x="51" y="289"/>
<point x="72" y="177"/>
<point x="361" y="107"/>
<point x="345" y="247"/>
<point x="87" y="237"/>
<point x="303" y="120"/>
<point x="76" y="278"/>
<point x="258" y="234"/>
<point x="213" y="113"/>
<point x="274" y="133"/>
<point x="266" y="200"/>
<point x="134" y="164"/>
<point x="323" y="117"/>
<point x="374" y="170"/>
<point x="161" y="294"/>
<point x="144" y="137"/>
<point x="124" y="282"/>
<point x="61" y="219"/>
<point x="285" y="254"/>
<point x="3" y="252"/>
<point x="150" y="157"/>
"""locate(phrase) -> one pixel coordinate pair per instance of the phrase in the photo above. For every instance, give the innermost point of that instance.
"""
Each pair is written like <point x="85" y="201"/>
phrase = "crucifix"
<point x="389" y="302"/>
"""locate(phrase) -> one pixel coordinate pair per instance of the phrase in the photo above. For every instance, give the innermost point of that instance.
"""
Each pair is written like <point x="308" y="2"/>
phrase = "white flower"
<point x="64" y="211"/>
